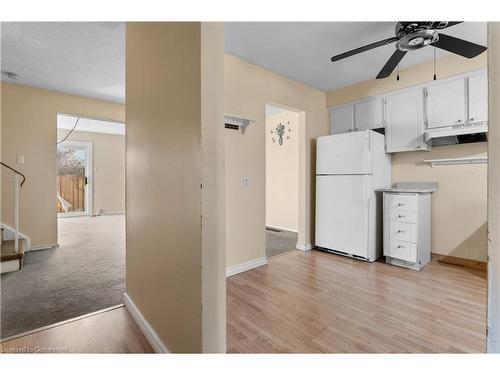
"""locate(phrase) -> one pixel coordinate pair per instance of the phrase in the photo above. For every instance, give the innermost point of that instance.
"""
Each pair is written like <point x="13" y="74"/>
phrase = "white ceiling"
<point x="88" y="58"/>
<point x="82" y="58"/>
<point x="302" y="50"/>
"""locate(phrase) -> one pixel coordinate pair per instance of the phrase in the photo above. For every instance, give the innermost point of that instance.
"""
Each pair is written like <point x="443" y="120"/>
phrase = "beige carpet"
<point x="85" y="274"/>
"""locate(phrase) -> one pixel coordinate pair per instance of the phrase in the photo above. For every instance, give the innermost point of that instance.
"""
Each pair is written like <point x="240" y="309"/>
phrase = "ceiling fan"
<point x="414" y="35"/>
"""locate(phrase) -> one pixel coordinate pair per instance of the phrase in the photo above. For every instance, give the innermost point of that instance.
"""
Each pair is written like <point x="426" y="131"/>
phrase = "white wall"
<point x="282" y="171"/>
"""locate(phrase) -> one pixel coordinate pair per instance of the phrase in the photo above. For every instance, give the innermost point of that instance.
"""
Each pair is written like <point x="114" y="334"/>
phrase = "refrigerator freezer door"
<point x="348" y="153"/>
<point x="342" y="214"/>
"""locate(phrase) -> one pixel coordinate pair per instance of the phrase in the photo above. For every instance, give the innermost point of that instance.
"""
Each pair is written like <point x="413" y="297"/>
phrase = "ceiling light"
<point x="11" y="75"/>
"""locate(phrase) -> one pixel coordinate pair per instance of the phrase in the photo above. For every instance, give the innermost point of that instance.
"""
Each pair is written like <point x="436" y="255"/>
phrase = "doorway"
<point x="74" y="178"/>
<point x="282" y="180"/>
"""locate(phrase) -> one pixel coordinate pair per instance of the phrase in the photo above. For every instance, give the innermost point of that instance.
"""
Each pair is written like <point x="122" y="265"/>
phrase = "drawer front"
<point x="407" y="202"/>
<point x="400" y="231"/>
<point x="403" y="216"/>
<point x="401" y="250"/>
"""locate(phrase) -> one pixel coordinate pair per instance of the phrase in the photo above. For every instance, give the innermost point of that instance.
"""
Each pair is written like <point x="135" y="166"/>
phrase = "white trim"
<point x="43" y="247"/>
<point x="271" y="228"/>
<point x="10" y="266"/>
<point x="304" y="246"/>
<point x="89" y="173"/>
<point x="457" y="161"/>
<point x="10" y="236"/>
<point x="146" y="328"/>
<point x="108" y="213"/>
<point x="242" y="267"/>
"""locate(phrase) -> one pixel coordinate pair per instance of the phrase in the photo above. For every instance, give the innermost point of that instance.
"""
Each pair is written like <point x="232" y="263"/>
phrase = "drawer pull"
<point x="401" y="231"/>
<point x="401" y="216"/>
<point x="400" y="204"/>
<point x="401" y="247"/>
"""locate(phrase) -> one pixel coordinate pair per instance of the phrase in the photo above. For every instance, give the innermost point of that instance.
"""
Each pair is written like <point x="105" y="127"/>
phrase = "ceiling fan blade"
<point x="391" y="64"/>
<point x="459" y="46"/>
<point x="364" y="48"/>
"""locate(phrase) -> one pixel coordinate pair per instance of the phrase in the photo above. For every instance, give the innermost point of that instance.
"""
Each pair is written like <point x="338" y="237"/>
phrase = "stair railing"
<point x="18" y="183"/>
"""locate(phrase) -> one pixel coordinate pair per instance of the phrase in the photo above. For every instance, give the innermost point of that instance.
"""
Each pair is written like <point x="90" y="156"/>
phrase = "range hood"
<point x="453" y="135"/>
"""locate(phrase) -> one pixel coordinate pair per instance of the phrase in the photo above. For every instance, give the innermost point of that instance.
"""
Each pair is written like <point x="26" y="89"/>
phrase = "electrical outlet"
<point x="20" y="159"/>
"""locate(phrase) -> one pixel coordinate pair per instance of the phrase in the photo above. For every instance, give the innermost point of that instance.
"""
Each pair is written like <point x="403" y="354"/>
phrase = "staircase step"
<point x="8" y="250"/>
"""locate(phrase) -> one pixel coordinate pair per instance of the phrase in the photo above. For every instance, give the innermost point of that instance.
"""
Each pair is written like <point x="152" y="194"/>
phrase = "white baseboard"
<point x="146" y="328"/>
<point x="304" y="246"/>
<point x="233" y="270"/>
<point x="108" y="213"/>
<point x="43" y="247"/>
<point x="271" y="227"/>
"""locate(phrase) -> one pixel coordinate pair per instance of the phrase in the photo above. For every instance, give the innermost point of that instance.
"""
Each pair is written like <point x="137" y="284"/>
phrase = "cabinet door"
<point x="478" y="98"/>
<point x="445" y="104"/>
<point x="404" y="114"/>
<point x="341" y="119"/>
<point x="368" y="115"/>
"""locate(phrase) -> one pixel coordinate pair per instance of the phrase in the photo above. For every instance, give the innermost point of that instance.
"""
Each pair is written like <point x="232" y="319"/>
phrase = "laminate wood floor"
<point x="112" y="331"/>
<point x="313" y="302"/>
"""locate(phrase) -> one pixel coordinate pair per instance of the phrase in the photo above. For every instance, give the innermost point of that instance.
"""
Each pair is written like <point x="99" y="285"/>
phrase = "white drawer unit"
<point x="402" y="250"/>
<point x="407" y="224"/>
<point x="402" y="202"/>
<point x="403" y="216"/>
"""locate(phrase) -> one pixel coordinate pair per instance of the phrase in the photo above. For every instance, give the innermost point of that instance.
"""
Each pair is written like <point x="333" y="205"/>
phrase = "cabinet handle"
<point x="459" y="121"/>
<point x="401" y="247"/>
<point x="472" y="118"/>
<point x="401" y="231"/>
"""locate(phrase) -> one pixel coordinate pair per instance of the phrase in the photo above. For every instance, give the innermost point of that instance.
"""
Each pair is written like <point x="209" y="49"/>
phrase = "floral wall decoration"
<point x="280" y="131"/>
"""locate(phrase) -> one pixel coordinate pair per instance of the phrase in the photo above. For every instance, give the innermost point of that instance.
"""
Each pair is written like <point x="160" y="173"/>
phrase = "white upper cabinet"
<point x="341" y="119"/>
<point x="445" y="103"/>
<point x="368" y="114"/>
<point x="404" y="121"/>
<point x="478" y="98"/>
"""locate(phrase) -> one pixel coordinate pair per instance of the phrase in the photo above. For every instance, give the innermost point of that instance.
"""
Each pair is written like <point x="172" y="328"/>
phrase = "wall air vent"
<point x="237" y="122"/>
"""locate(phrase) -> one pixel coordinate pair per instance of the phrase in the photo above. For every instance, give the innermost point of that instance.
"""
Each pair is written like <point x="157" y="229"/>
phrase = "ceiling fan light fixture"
<point x="417" y="40"/>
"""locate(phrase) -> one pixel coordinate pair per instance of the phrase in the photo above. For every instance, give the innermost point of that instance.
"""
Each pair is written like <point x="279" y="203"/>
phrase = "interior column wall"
<point x="174" y="167"/>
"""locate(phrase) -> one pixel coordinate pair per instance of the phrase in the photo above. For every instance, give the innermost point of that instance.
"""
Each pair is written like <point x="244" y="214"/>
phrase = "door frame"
<point x="89" y="174"/>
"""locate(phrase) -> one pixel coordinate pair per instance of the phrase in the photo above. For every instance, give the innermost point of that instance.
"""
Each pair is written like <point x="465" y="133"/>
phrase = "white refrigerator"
<point x="349" y="168"/>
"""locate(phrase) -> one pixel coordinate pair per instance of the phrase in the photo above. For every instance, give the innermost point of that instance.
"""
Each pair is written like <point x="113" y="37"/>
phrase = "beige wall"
<point x="247" y="90"/>
<point x="29" y="129"/>
<point x="493" y="339"/>
<point x="174" y="146"/>
<point x="282" y="172"/>
<point x="108" y="168"/>
<point x="213" y="193"/>
<point x="459" y="206"/>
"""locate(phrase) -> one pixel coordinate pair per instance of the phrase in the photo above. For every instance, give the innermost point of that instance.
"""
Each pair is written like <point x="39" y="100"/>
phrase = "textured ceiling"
<point x="82" y="58"/>
<point x="88" y="58"/>
<point x="302" y="50"/>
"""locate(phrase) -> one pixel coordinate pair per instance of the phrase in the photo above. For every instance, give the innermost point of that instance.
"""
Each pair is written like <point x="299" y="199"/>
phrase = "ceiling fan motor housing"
<point x="417" y="39"/>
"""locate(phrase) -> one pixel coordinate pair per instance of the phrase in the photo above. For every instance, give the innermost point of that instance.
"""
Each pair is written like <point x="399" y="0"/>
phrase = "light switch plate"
<point x="246" y="182"/>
